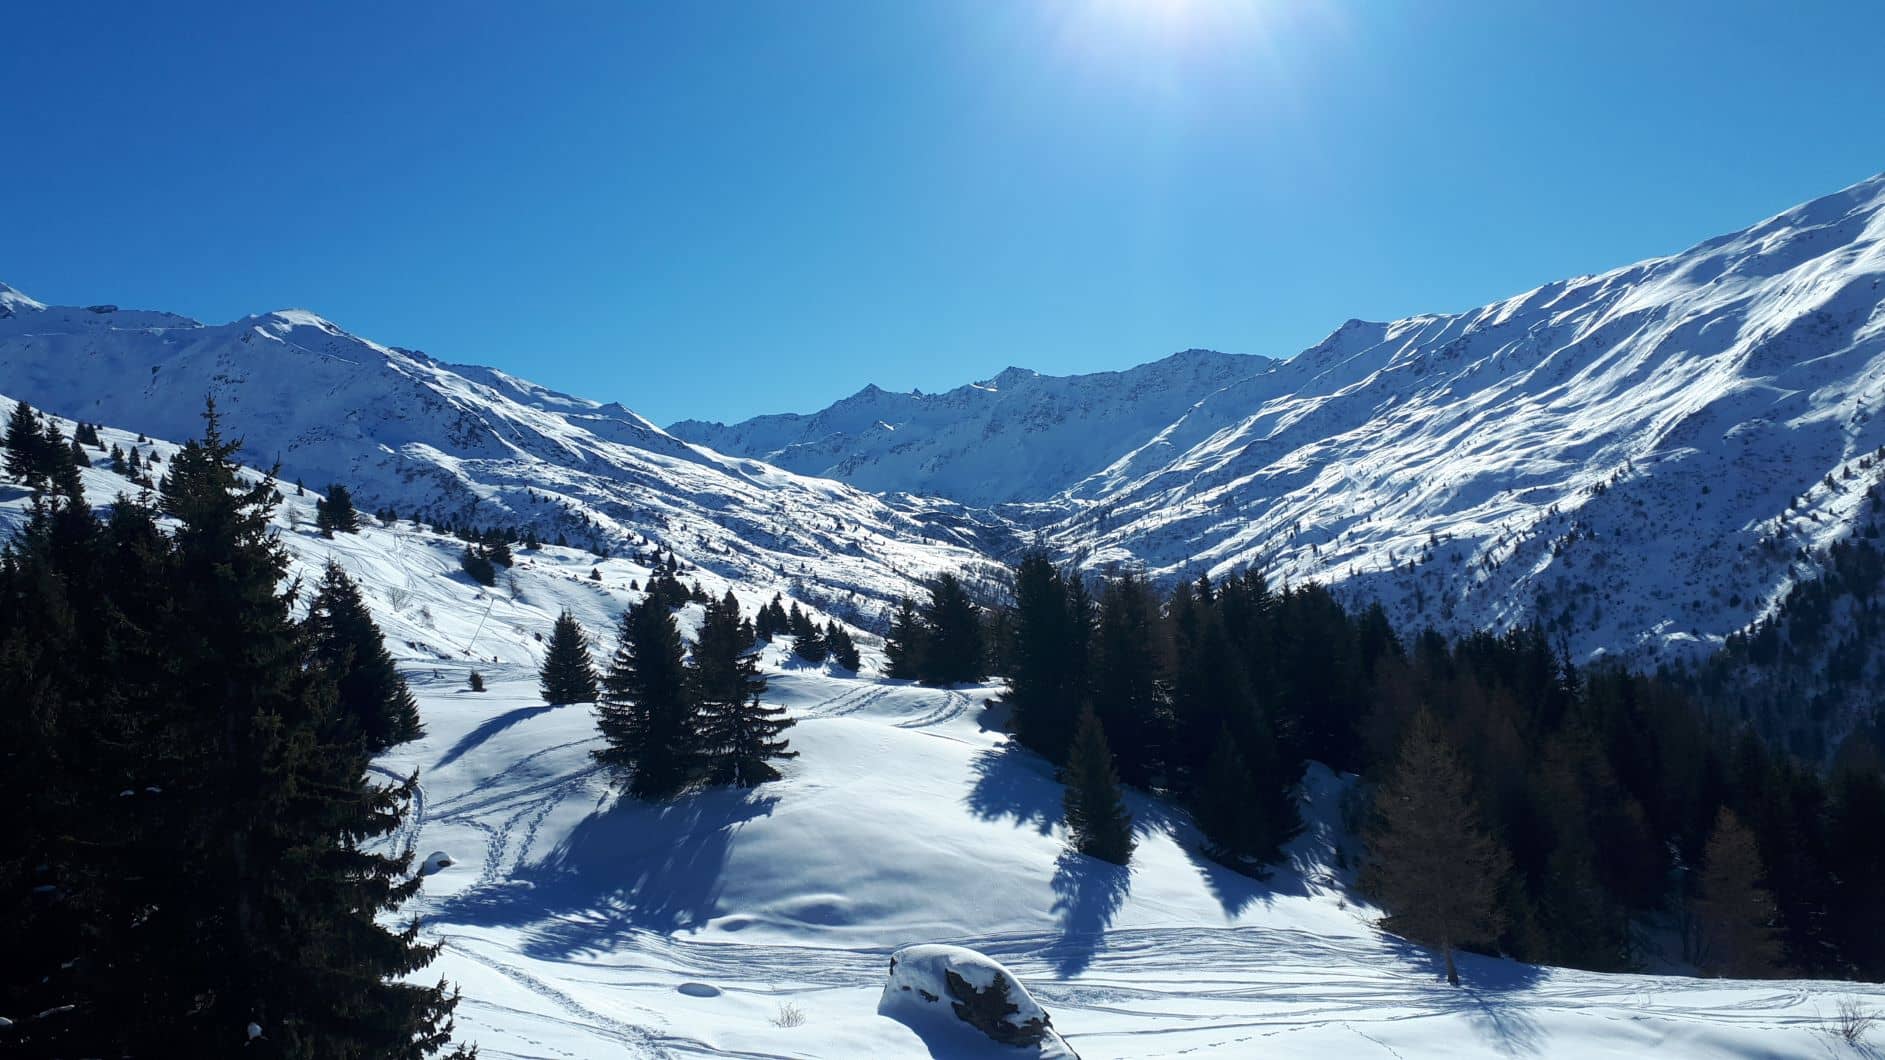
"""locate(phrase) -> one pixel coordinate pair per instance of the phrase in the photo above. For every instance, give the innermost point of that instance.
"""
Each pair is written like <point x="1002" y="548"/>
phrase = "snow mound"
<point x="975" y="988"/>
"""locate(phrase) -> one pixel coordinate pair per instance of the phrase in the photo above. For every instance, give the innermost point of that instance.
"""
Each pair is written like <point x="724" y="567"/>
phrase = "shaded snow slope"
<point x="580" y="925"/>
<point x="1020" y="436"/>
<point x="470" y="445"/>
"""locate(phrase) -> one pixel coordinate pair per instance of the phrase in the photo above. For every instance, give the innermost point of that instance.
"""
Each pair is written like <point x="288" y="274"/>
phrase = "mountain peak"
<point x="13" y="300"/>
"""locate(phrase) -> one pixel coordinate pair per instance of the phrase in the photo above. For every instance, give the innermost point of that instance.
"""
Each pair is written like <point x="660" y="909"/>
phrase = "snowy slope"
<point x="472" y="445"/>
<point x="583" y="926"/>
<point x="1634" y="458"/>
<point x="1017" y="437"/>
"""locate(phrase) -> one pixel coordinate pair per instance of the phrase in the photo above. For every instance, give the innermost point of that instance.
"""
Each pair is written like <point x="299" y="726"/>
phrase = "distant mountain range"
<point x="1641" y="460"/>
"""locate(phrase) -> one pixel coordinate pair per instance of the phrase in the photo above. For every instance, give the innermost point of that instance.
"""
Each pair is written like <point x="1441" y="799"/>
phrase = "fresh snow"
<point x="580" y="924"/>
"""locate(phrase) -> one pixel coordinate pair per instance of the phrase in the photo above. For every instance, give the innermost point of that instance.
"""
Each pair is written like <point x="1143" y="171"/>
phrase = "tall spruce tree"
<point x="1098" y="823"/>
<point x="568" y="675"/>
<point x="1436" y="871"/>
<point x="1128" y="677"/>
<point x="23" y="444"/>
<point x="647" y="715"/>
<point x="334" y="514"/>
<point x="1735" y="909"/>
<point x="904" y="643"/>
<point x="952" y="648"/>
<point x="231" y="887"/>
<point x="1044" y="681"/>
<point x="840" y="646"/>
<point x="372" y="698"/>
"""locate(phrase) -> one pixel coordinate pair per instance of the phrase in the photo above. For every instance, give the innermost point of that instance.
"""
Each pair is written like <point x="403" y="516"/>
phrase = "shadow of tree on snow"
<point x="631" y="867"/>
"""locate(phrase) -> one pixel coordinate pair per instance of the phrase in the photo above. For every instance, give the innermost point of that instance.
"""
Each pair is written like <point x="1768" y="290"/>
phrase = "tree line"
<point x="188" y="872"/>
<point x="1513" y="802"/>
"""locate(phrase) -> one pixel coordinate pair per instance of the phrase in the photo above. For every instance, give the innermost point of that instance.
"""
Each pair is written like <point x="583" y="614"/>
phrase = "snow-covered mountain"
<point x="1636" y="458"/>
<point x="471" y="445"/>
<point x="1020" y="436"/>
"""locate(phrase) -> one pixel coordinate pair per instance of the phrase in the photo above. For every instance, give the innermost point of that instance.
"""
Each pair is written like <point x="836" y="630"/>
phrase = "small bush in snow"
<point x="790" y="1015"/>
<point x="1851" y="1021"/>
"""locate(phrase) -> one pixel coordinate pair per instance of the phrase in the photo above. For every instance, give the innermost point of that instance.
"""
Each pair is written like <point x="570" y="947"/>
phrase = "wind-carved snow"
<point x="579" y="924"/>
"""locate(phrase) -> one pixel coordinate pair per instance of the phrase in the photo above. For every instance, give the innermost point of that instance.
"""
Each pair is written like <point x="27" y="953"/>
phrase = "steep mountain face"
<point x="469" y="445"/>
<point x="1020" y="436"/>
<point x="1643" y="459"/>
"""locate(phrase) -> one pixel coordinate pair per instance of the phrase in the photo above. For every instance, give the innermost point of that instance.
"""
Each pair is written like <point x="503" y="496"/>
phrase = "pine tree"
<point x="1098" y="823"/>
<point x="744" y="741"/>
<point x="1128" y="677"/>
<point x="80" y="459"/>
<point x="234" y="887"/>
<point x="1047" y="676"/>
<point x="373" y="700"/>
<point x="478" y="566"/>
<point x="117" y="460"/>
<point x="475" y="682"/>
<point x="903" y="645"/>
<point x="1736" y="912"/>
<point x="1222" y="806"/>
<point x="842" y="648"/>
<point x="335" y="513"/>
<point x="808" y="641"/>
<point x="568" y="675"/>
<point x="647" y="715"/>
<point x="23" y="444"/>
<point x="1437" y="873"/>
<point x="952" y="651"/>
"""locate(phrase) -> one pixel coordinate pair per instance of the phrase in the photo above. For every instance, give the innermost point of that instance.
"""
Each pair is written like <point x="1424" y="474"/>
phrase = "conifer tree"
<point x="373" y="700"/>
<point x="568" y="675"/>
<point x="1047" y="676"/>
<point x="1128" y="676"/>
<point x="335" y="513"/>
<point x="233" y="888"/>
<point x="842" y="648"/>
<point x="903" y="645"/>
<point x="23" y="444"/>
<point x="79" y="457"/>
<point x="478" y="566"/>
<point x="737" y="734"/>
<point x="808" y="641"/>
<point x="1437" y="873"/>
<point x="745" y="741"/>
<point x="952" y="650"/>
<point x="1098" y="823"/>
<point x="1736" y="911"/>
<point x="117" y="460"/>
<point x="646" y="713"/>
<point x="1222" y="806"/>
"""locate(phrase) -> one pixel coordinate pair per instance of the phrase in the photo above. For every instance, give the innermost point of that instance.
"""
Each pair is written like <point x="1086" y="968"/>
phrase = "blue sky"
<point x="719" y="209"/>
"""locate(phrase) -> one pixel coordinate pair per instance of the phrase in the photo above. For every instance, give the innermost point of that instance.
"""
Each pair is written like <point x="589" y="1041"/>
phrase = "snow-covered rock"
<point x="975" y="989"/>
